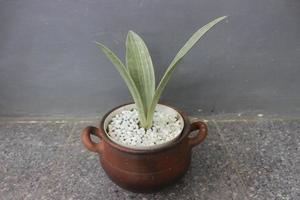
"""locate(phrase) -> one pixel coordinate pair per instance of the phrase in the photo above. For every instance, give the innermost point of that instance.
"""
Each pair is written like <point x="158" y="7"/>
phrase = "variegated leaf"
<point x="128" y="80"/>
<point x="188" y="45"/>
<point x="140" y="67"/>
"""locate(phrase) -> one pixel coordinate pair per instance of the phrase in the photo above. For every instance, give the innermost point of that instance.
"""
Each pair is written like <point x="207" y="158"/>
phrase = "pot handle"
<point x="201" y="135"/>
<point x="86" y="139"/>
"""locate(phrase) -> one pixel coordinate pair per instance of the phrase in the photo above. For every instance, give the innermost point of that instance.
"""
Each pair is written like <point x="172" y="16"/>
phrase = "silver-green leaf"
<point x="127" y="78"/>
<point x="188" y="45"/>
<point x="140" y="67"/>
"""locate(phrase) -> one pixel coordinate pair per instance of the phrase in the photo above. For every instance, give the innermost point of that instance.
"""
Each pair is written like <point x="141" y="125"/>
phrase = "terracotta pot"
<point x="145" y="170"/>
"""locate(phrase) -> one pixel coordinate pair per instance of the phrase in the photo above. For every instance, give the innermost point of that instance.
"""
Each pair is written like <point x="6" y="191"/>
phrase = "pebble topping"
<point x="124" y="129"/>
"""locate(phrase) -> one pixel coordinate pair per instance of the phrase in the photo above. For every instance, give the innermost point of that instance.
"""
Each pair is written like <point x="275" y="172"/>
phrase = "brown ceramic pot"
<point x="145" y="170"/>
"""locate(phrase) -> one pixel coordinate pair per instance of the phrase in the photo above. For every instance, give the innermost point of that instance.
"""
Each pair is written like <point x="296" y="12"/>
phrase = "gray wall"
<point x="50" y="66"/>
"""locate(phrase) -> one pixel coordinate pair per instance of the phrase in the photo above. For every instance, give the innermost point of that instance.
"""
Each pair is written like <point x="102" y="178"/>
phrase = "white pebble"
<point x="124" y="129"/>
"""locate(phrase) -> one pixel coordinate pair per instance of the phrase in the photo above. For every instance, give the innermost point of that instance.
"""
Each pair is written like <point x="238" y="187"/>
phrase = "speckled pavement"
<point x="240" y="159"/>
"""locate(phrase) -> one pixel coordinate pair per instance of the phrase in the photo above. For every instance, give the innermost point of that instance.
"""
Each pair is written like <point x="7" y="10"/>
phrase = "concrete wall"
<point x="49" y="65"/>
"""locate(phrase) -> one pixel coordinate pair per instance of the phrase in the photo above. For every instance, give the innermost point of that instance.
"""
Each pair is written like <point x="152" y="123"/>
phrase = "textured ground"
<point x="241" y="159"/>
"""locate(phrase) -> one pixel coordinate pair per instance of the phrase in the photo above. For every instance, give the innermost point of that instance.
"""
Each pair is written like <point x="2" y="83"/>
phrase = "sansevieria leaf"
<point x="128" y="80"/>
<point x="140" y="67"/>
<point x="188" y="45"/>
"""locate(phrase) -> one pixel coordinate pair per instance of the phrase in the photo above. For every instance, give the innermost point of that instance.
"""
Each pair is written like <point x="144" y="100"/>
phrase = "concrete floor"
<point x="241" y="159"/>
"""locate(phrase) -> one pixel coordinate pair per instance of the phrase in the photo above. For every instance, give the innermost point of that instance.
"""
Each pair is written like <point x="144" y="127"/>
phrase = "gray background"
<point x="49" y="65"/>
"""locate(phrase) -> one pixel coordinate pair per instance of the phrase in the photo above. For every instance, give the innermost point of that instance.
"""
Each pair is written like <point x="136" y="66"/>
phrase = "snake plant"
<point x="138" y="73"/>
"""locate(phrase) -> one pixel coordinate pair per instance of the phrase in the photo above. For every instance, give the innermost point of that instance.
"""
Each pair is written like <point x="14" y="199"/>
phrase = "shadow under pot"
<point x="144" y="169"/>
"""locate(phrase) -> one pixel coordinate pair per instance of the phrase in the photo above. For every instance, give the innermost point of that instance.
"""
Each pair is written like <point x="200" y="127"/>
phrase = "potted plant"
<point x="145" y="145"/>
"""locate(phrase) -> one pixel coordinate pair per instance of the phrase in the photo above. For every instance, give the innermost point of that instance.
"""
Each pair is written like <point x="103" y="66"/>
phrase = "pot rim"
<point x="183" y="134"/>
